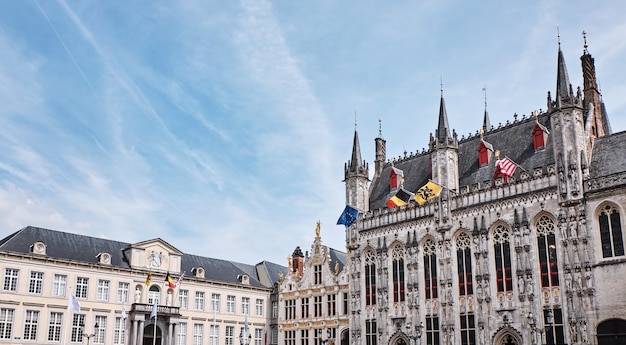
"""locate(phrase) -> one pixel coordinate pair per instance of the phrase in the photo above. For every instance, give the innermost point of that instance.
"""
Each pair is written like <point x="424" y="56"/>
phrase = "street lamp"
<point x="532" y="321"/>
<point x="549" y="322"/>
<point x="88" y="336"/>
<point x="418" y="332"/>
<point x="329" y="335"/>
<point x="245" y="340"/>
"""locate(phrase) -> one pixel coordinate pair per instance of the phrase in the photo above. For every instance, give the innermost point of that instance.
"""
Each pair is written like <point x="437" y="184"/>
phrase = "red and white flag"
<point x="506" y="166"/>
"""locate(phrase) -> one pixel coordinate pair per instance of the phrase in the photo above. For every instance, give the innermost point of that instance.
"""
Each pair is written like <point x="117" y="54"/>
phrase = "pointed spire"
<point x="443" y="129"/>
<point x="486" y="122"/>
<point x="356" y="161"/>
<point x="563" y="86"/>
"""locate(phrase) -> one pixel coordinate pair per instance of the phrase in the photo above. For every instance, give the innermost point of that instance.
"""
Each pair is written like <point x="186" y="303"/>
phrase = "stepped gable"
<point x="514" y="141"/>
<point x="609" y="155"/>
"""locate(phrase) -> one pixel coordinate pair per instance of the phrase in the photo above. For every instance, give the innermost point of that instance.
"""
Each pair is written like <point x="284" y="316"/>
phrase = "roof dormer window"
<point x="198" y="272"/>
<point x="485" y="150"/>
<point x="38" y="248"/>
<point x="540" y="136"/>
<point x="104" y="258"/>
<point x="396" y="178"/>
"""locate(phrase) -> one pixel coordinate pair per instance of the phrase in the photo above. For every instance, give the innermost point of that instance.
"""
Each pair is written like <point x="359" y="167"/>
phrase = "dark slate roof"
<point x="514" y="140"/>
<point x="68" y="246"/>
<point x="608" y="155"/>
<point x="337" y="256"/>
<point x="64" y="245"/>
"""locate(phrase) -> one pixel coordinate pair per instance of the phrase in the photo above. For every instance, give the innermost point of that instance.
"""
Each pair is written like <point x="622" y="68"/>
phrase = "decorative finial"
<point x="585" y="40"/>
<point x="498" y="154"/>
<point x="392" y="160"/>
<point x="380" y="128"/>
<point x="441" y="77"/>
<point x="482" y="131"/>
<point x="485" y="91"/>
<point x="558" y="36"/>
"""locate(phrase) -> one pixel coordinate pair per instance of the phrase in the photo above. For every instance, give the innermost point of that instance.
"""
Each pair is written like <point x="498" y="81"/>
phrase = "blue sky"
<point x="223" y="127"/>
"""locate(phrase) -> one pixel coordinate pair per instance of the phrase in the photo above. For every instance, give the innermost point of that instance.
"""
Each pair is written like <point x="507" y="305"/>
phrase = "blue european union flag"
<point x="348" y="216"/>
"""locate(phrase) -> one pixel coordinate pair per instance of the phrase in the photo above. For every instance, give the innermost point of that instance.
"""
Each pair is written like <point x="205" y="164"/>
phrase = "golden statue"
<point x="317" y="229"/>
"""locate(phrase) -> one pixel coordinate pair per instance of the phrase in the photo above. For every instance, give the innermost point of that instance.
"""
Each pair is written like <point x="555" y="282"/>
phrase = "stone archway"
<point x="507" y="336"/>
<point x="148" y="335"/>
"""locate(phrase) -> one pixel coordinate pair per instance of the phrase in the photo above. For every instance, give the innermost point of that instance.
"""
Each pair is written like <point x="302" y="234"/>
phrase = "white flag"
<point x="73" y="304"/>
<point x="154" y="309"/>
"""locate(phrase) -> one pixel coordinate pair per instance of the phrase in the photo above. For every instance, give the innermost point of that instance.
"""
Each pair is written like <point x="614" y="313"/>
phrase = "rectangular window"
<point x="123" y="291"/>
<point x="54" y="326"/>
<point x="215" y="302"/>
<point x="6" y="323"/>
<point x="344" y="310"/>
<point x="430" y="275"/>
<point x="36" y="282"/>
<point x="317" y="274"/>
<point x="370" y="332"/>
<point x="230" y="335"/>
<point x="398" y="280"/>
<point x="214" y="332"/>
<point x="317" y="306"/>
<point x="258" y="336"/>
<point x="100" y="331"/>
<point x="76" y="334"/>
<point x="370" y="284"/>
<point x="245" y="305"/>
<point x="432" y="330"/>
<point x="181" y="336"/>
<point x="198" y="329"/>
<point x="304" y="307"/>
<point x="10" y="279"/>
<point x="230" y="304"/>
<point x="183" y="299"/>
<point x="290" y="309"/>
<point x="548" y="260"/>
<point x="468" y="330"/>
<point x="199" y="302"/>
<point x="31" y="320"/>
<point x="464" y="270"/>
<point x="275" y="309"/>
<point x="504" y="277"/>
<point x="554" y="331"/>
<point x="59" y="284"/>
<point x="304" y="337"/>
<point x="119" y="331"/>
<point x="332" y="304"/>
<point x="259" y="308"/>
<point x="82" y="285"/>
<point x="290" y="337"/>
<point x="102" y="292"/>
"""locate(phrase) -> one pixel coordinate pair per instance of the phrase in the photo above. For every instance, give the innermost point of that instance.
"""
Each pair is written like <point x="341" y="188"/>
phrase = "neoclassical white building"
<point x="533" y="254"/>
<point x="212" y="304"/>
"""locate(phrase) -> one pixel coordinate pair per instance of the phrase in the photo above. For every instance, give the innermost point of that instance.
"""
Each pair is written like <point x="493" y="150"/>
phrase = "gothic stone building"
<point x="313" y="297"/>
<point x="532" y="257"/>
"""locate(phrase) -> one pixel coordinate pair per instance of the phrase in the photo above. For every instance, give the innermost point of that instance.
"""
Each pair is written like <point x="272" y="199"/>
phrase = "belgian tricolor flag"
<point x="401" y="198"/>
<point x="170" y="280"/>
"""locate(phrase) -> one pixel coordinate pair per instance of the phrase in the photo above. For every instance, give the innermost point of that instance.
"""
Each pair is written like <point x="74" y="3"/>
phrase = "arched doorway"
<point x="612" y="332"/>
<point x="508" y="336"/>
<point x="148" y="335"/>
<point x="345" y="337"/>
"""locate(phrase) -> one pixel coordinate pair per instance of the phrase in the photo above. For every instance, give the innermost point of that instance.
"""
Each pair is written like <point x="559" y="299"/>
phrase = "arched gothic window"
<point x="611" y="232"/>
<point x="370" y="278"/>
<point x="464" y="264"/>
<point x="398" y="273"/>
<point x="502" y="247"/>
<point x="430" y="269"/>
<point x="547" y="252"/>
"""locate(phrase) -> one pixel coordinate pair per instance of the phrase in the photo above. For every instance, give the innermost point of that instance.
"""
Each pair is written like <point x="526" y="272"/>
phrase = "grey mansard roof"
<point x="81" y="248"/>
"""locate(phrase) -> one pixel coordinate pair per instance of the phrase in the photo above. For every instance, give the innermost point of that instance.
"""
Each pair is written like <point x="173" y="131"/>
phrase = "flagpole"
<point x="155" y="326"/>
